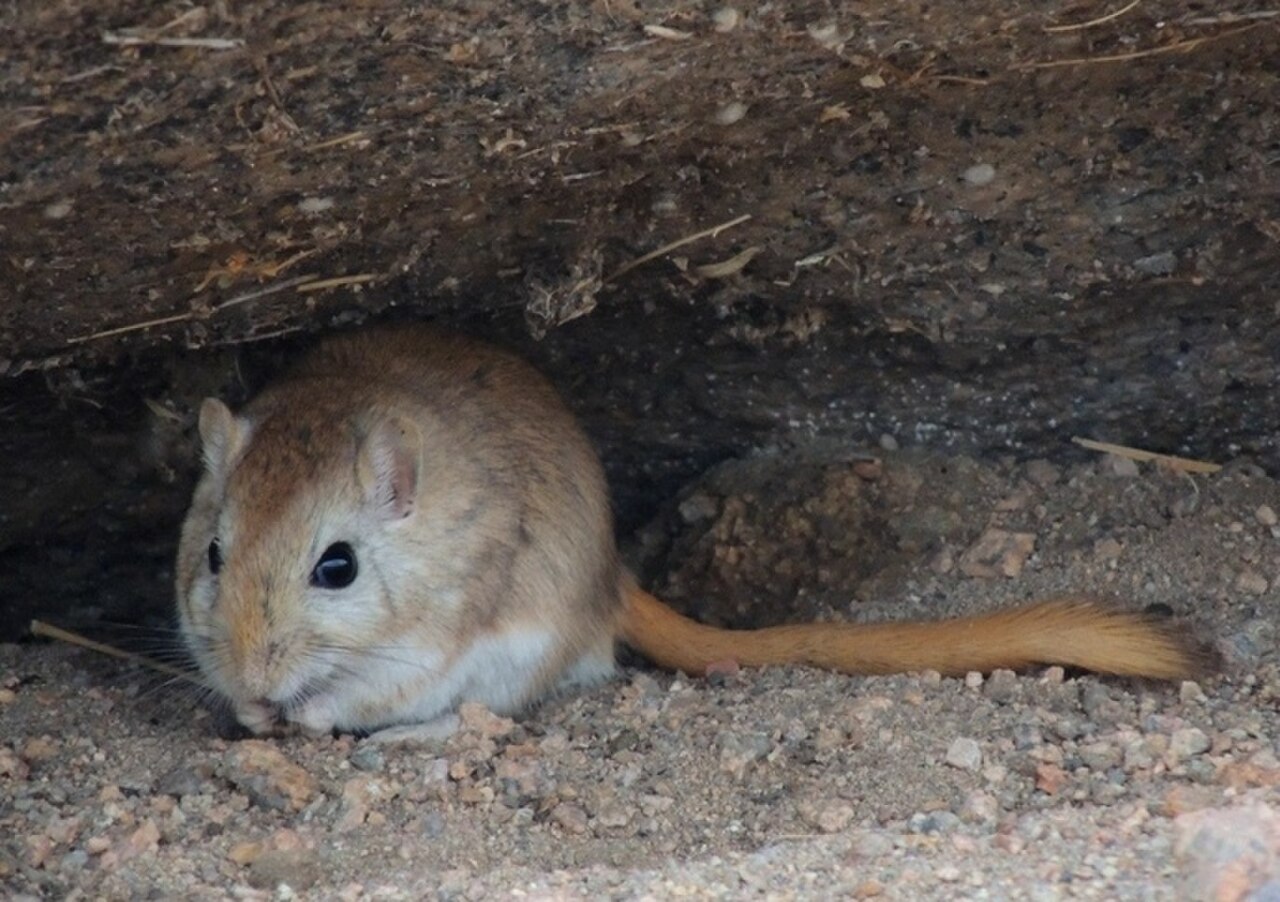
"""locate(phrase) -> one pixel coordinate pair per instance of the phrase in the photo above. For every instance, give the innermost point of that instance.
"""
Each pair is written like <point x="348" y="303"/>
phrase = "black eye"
<point x="215" y="557"/>
<point x="336" y="568"/>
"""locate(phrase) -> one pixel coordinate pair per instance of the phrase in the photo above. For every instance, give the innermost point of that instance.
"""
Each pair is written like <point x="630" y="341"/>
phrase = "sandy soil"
<point x="778" y="784"/>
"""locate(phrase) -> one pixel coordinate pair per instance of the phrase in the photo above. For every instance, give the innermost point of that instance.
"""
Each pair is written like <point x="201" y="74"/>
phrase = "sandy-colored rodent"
<point x="410" y="520"/>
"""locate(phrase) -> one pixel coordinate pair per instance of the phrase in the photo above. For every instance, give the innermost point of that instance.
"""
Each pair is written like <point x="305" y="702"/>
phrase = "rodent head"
<point x="287" y="552"/>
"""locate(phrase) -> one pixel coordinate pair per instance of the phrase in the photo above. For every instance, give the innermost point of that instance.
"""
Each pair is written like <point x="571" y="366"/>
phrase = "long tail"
<point x="1072" y="632"/>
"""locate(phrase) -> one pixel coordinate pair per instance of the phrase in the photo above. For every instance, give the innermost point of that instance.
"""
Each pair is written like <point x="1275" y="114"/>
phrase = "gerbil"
<point x="411" y="520"/>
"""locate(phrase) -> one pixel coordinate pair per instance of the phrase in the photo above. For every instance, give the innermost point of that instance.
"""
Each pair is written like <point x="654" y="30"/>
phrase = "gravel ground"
<point x="773" y="784"/>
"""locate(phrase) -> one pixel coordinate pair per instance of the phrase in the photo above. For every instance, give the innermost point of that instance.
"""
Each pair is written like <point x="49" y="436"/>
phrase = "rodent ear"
<point x="222" y="434"/>
<point x="388" y="465"/>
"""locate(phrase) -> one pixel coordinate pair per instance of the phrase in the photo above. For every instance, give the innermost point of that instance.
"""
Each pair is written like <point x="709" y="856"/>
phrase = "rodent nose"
<point x="272" y="708"/>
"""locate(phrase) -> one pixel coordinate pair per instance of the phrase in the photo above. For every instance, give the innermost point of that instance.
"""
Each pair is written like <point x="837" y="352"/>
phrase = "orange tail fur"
<point x="1072" y="632"/>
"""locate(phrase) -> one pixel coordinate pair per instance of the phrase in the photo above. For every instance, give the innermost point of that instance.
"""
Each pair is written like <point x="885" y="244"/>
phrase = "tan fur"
<point x="1068" y="631"/>
<point x="479" y="514"/>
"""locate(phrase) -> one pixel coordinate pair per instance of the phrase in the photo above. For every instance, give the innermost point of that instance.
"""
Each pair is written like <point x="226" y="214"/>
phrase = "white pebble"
<point x="1190" y="691"/>
<point x="980" y="174"/>
<point x="731" y="113"/>
<point x="726" y="18"/>
<point x="313" y="205"/>
<point x="828" y="36"/>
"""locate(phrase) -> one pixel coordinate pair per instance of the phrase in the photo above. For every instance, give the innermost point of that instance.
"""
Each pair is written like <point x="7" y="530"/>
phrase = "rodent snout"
<point x="272" y="709"/>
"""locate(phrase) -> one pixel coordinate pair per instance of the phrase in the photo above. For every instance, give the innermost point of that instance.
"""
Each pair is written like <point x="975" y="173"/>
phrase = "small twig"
<point x="260" y="63"/>
<point x="92" y="72"/>
<point x="49" y="631"/>
<point x="961" y="80"/>
<point x="1183" y="464"/>
<point x="581" y="176"/>
<point x="271" y="270"/>
<point x="1080" y="26"/>
<point x="135" y="40"/>
<point x="680" y="242"/>
<point x="194" y="314"/>
<point x="132" y="327"/>
<point x="333" y="142"/>
<point x="1228" y="18"/>
<point x="338" y="281"/>
<point x="264" y="292"/>
<point x="1189" y="44"/>
<point x="193" y="17"/>
<point x="262" y="336"/>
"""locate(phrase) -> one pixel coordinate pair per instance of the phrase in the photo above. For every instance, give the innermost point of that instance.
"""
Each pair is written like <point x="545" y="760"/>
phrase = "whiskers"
<point x="345" y="658"/>
<point x="167" y="679"/>
<point x="172" y="671"/>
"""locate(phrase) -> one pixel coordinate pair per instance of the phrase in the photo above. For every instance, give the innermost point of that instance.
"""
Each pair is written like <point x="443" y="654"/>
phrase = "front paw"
<point x="315" y="721"/>
<point x="260" y="719"/>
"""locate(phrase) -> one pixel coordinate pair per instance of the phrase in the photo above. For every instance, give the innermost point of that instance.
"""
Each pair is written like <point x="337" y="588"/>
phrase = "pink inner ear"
<point x="388" y="467"/>
<point x="403" y="482"/>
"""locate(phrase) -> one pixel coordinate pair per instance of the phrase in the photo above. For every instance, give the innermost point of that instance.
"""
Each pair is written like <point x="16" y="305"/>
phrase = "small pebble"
<point x="38" y="749"/>
<point x="1101" y="756"/>
<point x="261" y="771"/>
<point x="296" y="868"/>
<point x="948" y="873"/>
<point x="830" y="817"/>
<point x="872" y="845"/>
<point x="980" y="807"/>
<point x="725" y="19"/>
<point x="1043" y="473"/>
<point x="1190" y="692"/>
<point x="965" y="753"/>
<point x="931" y="822"/>
<point x="1027" y="736"/>
<point x="1124" y="467"/>
<point x="59" y="209"/>
<point x="740" y="750"/>
<point x="997" y="553"/>
<point x="1161" y="264"/>
<point x="368" y="757"/>
<point x="1050" y="778"/>
<point x="1108" y="549"/>
<point x="1251" y="582"/>
<point x="312" y="206"/>
<point x="732" y="112"/>
<point x="570" y="818"/>
<point x="698" y="506"/>
<point x="1068" y="727"/>
<point x="1187" y="742"/>
<point x="828" y="36"/>
<point x="1000" y="686"/>
<point x="181" y="781"/>
<point x="1266" y="515"/>
<point x="979" y="174"/>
